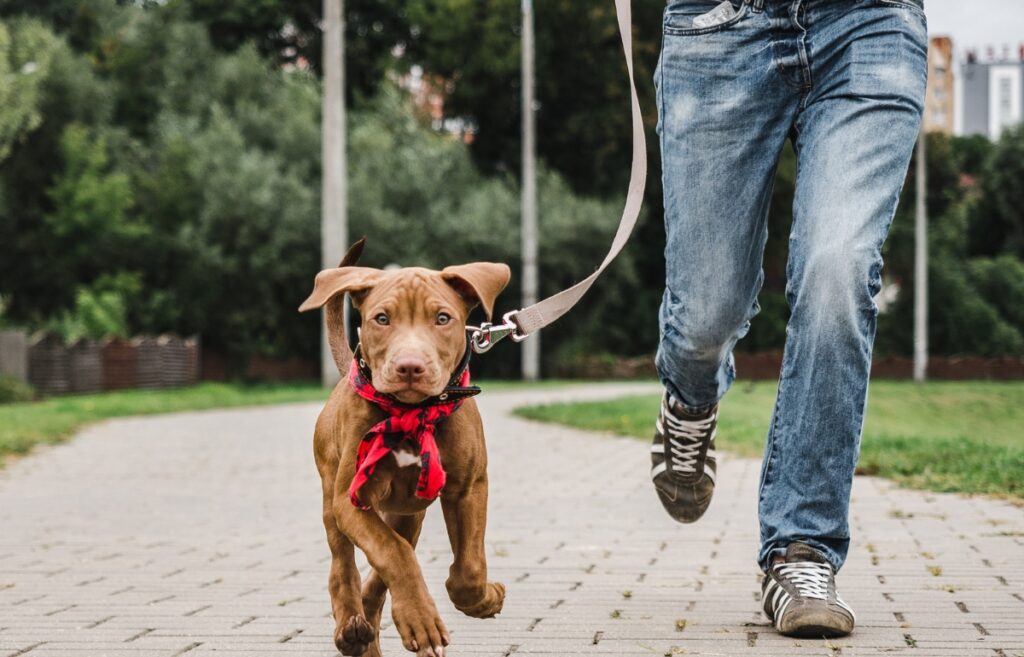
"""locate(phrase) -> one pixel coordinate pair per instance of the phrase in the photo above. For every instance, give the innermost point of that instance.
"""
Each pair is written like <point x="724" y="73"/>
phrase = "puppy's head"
<point x="414" y="320"/>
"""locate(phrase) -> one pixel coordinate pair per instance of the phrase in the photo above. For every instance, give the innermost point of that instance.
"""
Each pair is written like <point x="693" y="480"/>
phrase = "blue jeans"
<point x="844" y="80"/>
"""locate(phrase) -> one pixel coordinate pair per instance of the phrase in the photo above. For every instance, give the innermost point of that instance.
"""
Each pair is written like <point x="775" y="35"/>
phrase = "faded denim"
<point x="845" y="81"/>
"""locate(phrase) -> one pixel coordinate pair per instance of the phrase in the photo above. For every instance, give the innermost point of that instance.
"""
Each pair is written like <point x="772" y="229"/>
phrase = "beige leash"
<point x="519" y="324"/>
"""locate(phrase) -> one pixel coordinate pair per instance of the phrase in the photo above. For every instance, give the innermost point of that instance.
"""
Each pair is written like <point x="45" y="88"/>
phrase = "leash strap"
<point x="518" y="324"/>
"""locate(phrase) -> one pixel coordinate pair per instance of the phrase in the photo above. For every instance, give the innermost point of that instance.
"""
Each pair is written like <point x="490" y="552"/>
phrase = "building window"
<point x="1004" y="99"/>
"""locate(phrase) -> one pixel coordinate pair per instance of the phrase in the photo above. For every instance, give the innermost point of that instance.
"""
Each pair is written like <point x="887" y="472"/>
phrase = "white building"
<point x="989" y="93"/>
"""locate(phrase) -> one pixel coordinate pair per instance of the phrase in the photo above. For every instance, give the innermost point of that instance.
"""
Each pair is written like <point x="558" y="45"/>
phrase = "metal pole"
<point x="531" y="347"/>
<point x="921" y="267"/>
<point x="333" y="219"/>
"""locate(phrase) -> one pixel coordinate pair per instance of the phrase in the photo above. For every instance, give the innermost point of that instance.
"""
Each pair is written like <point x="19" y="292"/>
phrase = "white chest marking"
<point x="406" y="457"/>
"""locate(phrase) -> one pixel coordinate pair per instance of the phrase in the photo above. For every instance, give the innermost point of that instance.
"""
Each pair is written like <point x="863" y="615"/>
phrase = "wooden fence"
<point x="91" y="366"/>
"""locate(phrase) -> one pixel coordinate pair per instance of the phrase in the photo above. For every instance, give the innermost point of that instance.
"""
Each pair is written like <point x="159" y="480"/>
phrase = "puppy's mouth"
<point x="409" y="392"/>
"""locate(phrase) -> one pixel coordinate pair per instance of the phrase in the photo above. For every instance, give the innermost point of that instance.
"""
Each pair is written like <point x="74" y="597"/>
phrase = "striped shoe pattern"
<point x="683" y="459"/>
<point x="799" y="596"/>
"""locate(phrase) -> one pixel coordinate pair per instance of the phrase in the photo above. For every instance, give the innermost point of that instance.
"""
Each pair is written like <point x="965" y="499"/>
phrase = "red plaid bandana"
<point x="416" y="423"/>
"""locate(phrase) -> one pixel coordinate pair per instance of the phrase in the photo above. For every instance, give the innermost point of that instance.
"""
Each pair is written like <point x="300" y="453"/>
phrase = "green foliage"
<point x="176" y="145"/>
<point x="26" y="52"/>
<point x="1000" y="281"/>
<point x="12" y="391"/>
<point x="90" y="202"/>
<point x="768" y="329"/>
<point x="971" y="152"/>
<point x="997" y="223"/>
<point x="100" y="310"/>
<point x="230" y="187"/>
<point x="972" y="305"/>
<point x="288" y="32"/>
<point x="963" y="321"/>
<point x="36" y="274"/>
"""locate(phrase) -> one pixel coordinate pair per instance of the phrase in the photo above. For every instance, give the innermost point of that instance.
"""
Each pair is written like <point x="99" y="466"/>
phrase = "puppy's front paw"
<point x="488" y="605"/>
<point x="354" y="636"/>
<point x="421" y="628"/>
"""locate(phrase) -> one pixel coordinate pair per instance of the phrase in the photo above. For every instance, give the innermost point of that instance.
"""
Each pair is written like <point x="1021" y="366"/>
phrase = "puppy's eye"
<point x="382" y="319"/>
<point x="443" y="319"/>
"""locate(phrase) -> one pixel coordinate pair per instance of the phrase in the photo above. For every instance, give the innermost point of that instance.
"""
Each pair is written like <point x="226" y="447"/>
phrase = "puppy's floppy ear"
<point x="478" y="282"/>
<point x="330" y="282"/>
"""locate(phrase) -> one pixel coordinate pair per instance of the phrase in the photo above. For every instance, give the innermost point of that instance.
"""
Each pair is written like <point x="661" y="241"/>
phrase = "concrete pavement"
<point x="199" y="534"/>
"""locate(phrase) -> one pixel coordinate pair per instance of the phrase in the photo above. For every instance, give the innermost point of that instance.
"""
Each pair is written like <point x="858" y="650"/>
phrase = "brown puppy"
<point x="413" y="338"/>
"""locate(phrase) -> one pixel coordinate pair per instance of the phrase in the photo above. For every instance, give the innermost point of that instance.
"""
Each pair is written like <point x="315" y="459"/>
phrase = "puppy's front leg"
<point x="465" y="515"/>
<point x="352" y="633"/>
<point x="392" y="557"/>
<point x="374" y="588"/>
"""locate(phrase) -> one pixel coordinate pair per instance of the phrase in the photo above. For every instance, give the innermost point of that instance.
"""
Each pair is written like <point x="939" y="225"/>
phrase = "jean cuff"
<point x="830" y="556"/>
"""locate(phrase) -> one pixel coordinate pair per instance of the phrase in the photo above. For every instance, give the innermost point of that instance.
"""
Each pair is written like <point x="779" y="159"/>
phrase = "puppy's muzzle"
<point x="410" y="369"/>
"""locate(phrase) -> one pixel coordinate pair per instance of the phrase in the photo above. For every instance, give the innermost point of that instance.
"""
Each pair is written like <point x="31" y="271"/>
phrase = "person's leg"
<point x="723" y="115"/>
<point x="724" y="112"/>
<point x="856" y="131"/>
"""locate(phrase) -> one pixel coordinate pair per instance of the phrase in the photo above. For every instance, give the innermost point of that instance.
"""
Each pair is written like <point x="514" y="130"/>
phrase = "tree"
<point x="90" y="220"/>
<point x="973" y="302"/>
<point x="288" y="32"/>
<point x="997" y="222"/>
<point x="27" y="49"/>
<point x="68" y="92"/>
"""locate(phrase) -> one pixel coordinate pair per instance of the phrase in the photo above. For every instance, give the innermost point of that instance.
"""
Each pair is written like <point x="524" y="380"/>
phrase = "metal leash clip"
<point x="485" y="336"/>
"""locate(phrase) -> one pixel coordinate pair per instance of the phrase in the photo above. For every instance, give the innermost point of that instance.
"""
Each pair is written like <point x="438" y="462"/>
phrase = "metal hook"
<point x="485" y="336"/>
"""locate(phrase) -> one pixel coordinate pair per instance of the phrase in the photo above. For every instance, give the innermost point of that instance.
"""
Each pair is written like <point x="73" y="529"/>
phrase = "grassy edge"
<point x="550" y="413"/>
<point x="25" y="425"/>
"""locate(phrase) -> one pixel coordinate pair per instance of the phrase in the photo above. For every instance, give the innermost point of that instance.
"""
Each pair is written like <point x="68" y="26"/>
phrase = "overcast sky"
<point x="978" y="23"/>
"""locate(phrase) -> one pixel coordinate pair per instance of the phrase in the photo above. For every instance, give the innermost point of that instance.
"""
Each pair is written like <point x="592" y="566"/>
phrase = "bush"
<point x="12" y="391"/>
<point x="100" y="311"/>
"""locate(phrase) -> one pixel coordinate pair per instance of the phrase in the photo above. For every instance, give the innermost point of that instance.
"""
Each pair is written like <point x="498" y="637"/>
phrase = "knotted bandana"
<point x="415" y="423"/>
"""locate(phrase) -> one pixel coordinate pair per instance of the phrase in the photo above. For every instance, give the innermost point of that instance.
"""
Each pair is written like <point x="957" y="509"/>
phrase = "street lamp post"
<point x="531" y="347"/>
<point x="921" y="266"/>
<point x="333" y="219"/>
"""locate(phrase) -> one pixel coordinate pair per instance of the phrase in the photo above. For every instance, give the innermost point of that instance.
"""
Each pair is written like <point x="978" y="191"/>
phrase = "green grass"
<point x="951" y="436"/>
<point x="26" y="424"/>
<point x="23" y="425"/>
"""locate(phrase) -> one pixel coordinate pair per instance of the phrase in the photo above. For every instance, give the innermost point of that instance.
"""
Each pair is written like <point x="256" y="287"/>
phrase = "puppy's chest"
<point x="393" y="484"/>
<point x="406" y="457"/>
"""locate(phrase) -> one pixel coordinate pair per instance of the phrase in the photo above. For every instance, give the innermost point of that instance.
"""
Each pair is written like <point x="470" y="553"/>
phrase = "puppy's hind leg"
<point x="352" y="633"/>
<point x="374" y="588"/>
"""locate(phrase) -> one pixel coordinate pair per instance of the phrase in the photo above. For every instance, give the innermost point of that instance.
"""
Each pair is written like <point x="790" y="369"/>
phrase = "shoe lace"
<point x="685" y="438"/>
<point x="810" y="578"/>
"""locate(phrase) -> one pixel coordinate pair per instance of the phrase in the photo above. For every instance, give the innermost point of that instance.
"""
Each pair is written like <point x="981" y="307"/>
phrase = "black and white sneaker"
<point x="683" y="462"/>
<point x="799" y="596"/>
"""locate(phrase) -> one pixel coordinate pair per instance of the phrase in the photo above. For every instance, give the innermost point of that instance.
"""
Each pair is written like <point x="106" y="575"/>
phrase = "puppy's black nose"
<point x="410" y="368"/>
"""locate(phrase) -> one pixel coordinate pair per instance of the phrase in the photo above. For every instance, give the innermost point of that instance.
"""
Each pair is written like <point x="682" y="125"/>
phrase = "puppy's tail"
<point x="337" y="337"/>
<point x="353" y="253"/>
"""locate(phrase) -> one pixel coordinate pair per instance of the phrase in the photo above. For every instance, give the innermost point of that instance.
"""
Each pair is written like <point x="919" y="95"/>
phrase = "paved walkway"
<point x="199" y="533"/>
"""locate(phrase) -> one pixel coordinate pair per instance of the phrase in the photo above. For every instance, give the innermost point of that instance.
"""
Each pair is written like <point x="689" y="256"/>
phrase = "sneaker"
<point x="799" y="596"/>
<point x="683" y="459"/>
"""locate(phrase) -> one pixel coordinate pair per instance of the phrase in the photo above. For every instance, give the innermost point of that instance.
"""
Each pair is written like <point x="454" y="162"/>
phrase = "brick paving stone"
<point x="199" y="534"/>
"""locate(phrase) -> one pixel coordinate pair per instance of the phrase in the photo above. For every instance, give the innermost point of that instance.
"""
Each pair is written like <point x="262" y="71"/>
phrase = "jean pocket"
<point x="916" y="5"/>
<point x="679" y="18"/>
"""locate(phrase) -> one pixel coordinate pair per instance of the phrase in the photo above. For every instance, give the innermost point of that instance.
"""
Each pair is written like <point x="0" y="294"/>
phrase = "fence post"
<point x="14" y="354"/>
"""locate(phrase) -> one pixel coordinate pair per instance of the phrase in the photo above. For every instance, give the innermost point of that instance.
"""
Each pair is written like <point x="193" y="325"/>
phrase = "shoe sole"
<point x="684" y="514"/>
<point x="815" y="632"/>
<point x="815" y="624"/>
